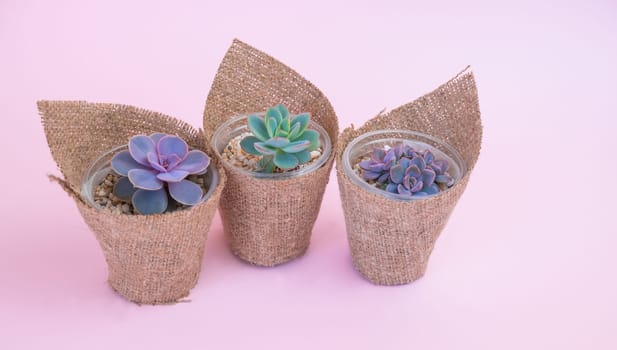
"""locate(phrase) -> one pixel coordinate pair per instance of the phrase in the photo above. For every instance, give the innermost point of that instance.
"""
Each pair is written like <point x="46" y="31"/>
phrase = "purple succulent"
<point x="155" y="164"/>
<point x="403" y="170"/>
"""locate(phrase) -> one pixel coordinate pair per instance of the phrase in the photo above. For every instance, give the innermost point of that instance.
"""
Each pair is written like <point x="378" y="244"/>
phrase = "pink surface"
<point x="527" y="260"/>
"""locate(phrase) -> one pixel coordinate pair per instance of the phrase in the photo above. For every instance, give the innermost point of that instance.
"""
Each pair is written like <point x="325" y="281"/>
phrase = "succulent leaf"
<point x="312" y="136"/>
<point x="397" y="173"/>
<point x="378" y="155"/>
<point x="417" y="186"/>
<point x="383" y="178"/>
<point x="274" y="112"/>
<point x="444" y="179"/>
<point x="303" y="156"/>
<point x="369" y="175"/>
<point x="266" y="164"/>
<point x="428" y="157"/>
<point x="153" y="159"/>
<point x="262" y="148"/>
<point x="392" y="188"/>
<point x="257" y="126"/>
<point x="173" y="176"/>
<point x="302" y="120"/>
<point x="419" y="162"/>
<point x="139" y="147"/>
<point x="122" y="162"/>
<point x="271" y="126"/>
<point x="157" y="136"/>
<point x="277" y="142"/>
<point x="150" y="202"/>
<point x="248" y="145"/>
<point x="430" y="189"/>
<point x="124" y="189"/>
<point x="196" y="162"/>
<point x="171" y="145"/>
<point x="402" y="190"/>
<point x="185" y="192"/>
<point x="296" y="146"/>
<point x="428" y="176"/>
<point x="283" y="110"/>
<point x="285" y="161"/>
<point x="145" y="179"/>
<point x="365" y="164"/>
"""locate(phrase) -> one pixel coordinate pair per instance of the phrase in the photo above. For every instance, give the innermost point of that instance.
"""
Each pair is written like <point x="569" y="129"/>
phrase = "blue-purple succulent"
<point x="155" y="166"/>
<point x="403" y="170"/>
<point x="281" y="139"/>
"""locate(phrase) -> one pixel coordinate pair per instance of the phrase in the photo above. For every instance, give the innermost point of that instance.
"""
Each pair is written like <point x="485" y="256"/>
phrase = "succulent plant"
<point x="281" y="139"/>
<point x="403" y="170"/>
<point x="155" y="165"/>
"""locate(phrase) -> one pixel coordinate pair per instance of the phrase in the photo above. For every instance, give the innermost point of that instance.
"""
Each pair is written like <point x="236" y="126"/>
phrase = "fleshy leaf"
<point x="283" y="110"/>
<point x="145" y="179"/>
<point x="445" y="179"/>
<point x="248" y="145"/>
<point x="417" y="186"/>
<point x="419" y="161"/>
<point x="376" y="167"/>
<point x="157" y="136"/>
<point x="274" y="113"/>
<point x="431" y="189"/>
<point x="303" y="156"/>
<point x="369" y="175"/>
<point x="303" y="120"/>
<point x="285" y="161"/>
<point x="150" y="202"/>
<point x="154" y="162"/>
<point x="297" y="146"/>
<point x="398" y="150"/>
<point x="263" y="149"/>
<point x="277" y="142"/>
<point x="170" y="161"/>
<point x="428" y="176"/>
<point x="402" y="190"/>
<point x="440" y="166"/>
<point x="408" y="181"/>
<point x="196" y="162"/>
<point x="365" y="164"/>
<point x="271" y="125"/>
<point x="124" y="189"/>
<point x="413" y="171"/>
<point x="173" y="176"/>
<point x="123" y="161"/>
<point x="404" y="162"/>
<point x="392" y="188"/>
<point x="383" y="178"/>
<point x="313" y="137"/>
<point x="387" y="165"/>
<point x="390" y="155"/>
<point x="420" y="194"/>
<point x="139" y="147"/>
<point x="294" y="132"/>
<point x="428" y="157"/>
<point x="171" y="144"/>
<point x="397" y="173"/>
<point x="378" y="154"/>
<point x="186" y="192"/>
<point x="266" y="164"/>
<point x="258" y="127"/>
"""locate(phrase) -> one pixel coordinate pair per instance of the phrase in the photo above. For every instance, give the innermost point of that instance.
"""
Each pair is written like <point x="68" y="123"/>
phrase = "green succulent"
<point x="280" y="138"/>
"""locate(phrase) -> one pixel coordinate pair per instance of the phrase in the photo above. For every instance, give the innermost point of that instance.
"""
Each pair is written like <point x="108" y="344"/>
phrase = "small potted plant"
<point x="400" y="176"/>
<point x="274" y="134"/>
<point x="150" y="202"/>
<point x="271" y="146"/>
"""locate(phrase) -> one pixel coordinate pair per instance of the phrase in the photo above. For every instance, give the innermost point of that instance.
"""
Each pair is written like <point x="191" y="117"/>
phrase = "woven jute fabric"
<point x="267" y="221"/>
<point x="152" y="259"/>
<point x="390" y="240"/>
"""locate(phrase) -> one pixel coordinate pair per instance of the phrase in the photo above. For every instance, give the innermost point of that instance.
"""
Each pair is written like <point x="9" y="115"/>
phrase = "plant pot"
<point x="391" y="236"/>
<point x="152" y="259"/>
<point x="268" y="217"/>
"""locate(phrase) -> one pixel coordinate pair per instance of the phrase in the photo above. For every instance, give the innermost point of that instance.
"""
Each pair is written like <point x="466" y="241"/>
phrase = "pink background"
<point x="527" y="260"/>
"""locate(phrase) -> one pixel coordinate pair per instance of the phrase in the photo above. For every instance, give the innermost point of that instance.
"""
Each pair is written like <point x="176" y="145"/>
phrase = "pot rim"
<point x="326" y="146"/>
<point x="88" y="179"/>
<point x="408" y="136"/>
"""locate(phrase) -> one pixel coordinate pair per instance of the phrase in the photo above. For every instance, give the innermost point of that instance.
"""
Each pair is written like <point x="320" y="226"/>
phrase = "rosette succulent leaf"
<point x="281" y="139"/>
<point x="403" y="170"/>
<point x="155" y="166"/>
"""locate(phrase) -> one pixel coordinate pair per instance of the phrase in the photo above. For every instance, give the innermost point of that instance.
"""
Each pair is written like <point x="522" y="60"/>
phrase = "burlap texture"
<point x="391" y="241"/>
<point x="152" y="259"/>
<point x="267" y="222"/>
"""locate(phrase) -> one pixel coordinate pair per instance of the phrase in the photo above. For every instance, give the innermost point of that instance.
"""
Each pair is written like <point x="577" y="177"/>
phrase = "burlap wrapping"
<point x="391" y="241"/>
<point x="152" y="259"/>
<point x="267" y="222"/>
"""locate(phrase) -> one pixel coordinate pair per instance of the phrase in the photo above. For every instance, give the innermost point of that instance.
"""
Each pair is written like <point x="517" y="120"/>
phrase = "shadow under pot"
<point x="397" y="195"/>
<point x="152" y="259"/>
<point x="268" y="216"/>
